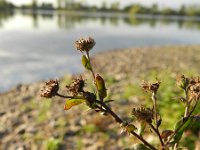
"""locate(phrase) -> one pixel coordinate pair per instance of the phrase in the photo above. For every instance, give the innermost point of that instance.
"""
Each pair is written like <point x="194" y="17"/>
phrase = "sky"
<point x="161" y="3"/>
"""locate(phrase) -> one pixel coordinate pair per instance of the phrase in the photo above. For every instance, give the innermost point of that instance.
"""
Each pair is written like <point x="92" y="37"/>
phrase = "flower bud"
<point x="101" y="87"/>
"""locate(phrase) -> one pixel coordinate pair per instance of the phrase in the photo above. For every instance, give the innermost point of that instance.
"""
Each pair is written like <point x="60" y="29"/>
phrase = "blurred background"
<point x="135" y="40"/>
<point x="37" y="36"/>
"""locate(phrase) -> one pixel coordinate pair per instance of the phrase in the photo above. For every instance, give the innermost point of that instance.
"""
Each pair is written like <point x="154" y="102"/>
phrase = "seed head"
<point x="143" y="114"/>
<point x="194" y="88"/>
<point x="76" y="86"/>
<point x="50" y="89"/>
<point x="85" y="44"/>
<point x="150" y="87"/>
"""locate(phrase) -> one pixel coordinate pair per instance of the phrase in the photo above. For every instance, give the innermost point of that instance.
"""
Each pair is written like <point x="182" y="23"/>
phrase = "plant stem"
<point x="117" y="119"/>
<point x="115" y="116"/>
<point x="158" y="133"/>
<point x="156" y="130"/>
<point x="88" y="56"/>
<point x="187" y="104"/>
<point x="74" y="97"/>
<point x="155" y="106"/>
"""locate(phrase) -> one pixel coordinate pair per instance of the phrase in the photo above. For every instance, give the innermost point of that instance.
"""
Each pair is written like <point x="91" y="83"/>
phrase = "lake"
<point x="39" y="46"/>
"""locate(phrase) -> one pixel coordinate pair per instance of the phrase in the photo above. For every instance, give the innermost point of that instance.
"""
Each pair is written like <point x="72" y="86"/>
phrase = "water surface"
<point x="38" y="46"/>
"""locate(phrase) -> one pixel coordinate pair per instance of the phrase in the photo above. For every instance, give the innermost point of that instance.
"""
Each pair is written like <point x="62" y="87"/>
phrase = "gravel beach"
<point x="29" y="122"/>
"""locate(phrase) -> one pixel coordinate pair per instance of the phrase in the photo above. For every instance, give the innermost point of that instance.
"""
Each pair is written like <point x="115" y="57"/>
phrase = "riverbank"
<point x="29" y="122"/>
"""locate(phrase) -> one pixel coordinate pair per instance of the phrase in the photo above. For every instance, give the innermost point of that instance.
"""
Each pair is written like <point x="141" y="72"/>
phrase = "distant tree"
<point x="182" y="10"/>
<point x="68" y="4"/>
<point x="4" y="5"/>
<point x="34" y="4"/>
<point x="115" y="6"/>
<point x="154" y="9"/>
<point x="47" y="6"/>
<point x="192" y="11"/>
<point x="104" y="6"/>
<point x="59" y="3"/>
<point x="168" y="11"/>
<point x="135" y="9"/>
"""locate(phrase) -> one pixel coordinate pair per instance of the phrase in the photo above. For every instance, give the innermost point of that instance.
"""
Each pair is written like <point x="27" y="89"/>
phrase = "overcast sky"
<point x="162" y="3"/>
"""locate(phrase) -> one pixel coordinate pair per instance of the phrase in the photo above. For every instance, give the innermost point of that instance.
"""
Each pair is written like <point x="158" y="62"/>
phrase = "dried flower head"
<point x="50" y="89"/>
<point x="76" y="86"/>
<point x="85" y="44"/>
<point x="182" y="81"/>
<point x="151" y="87"/>
<point x="194" y="88"/>
<point x="143" y="114"/>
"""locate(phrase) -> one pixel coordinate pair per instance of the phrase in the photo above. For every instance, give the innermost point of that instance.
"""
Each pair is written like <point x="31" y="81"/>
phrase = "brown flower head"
<point x="194" y="88"/>
<point x="50" y="89"/>
<point x="85" y="44"/>
<point x="151" y="87"/>
<point x="76" y="86"/>
<point x="143" y="114"/>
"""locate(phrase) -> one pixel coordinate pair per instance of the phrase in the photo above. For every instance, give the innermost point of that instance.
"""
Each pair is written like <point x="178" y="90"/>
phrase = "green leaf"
<point x="101" y="86"/>
<point x="188" y="123"/>
<point x="86" y="63"/>
<point x="73" y="102"/>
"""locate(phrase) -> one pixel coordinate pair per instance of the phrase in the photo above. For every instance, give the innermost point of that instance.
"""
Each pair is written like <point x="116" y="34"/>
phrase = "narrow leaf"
<point x="86" y="63"/>
<point x="186" y="126"/>
<point x="101" y="86"/>
<point x="73" y="102"/>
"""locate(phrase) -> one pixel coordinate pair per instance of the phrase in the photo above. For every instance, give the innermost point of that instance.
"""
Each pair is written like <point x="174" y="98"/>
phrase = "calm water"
<point x="35" y="47"/>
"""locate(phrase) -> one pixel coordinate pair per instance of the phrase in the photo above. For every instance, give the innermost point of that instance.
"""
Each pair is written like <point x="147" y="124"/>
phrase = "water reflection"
<point x="70" y="21"/>
<point x="37" y="46"/>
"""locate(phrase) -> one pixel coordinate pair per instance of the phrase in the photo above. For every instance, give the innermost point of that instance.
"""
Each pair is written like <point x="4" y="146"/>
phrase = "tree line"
<point x="132" y="9"/>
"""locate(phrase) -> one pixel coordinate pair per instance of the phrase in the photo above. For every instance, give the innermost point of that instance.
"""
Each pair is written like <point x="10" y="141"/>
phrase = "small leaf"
<point x="73" y="102"/>
<point x="130" y="128"/>
<point x="101" y="87"/>
<point x="166" y="133"/>
<point x="86" y="63"/>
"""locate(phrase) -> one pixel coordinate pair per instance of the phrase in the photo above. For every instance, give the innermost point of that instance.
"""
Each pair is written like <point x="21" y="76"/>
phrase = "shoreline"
<point x="124" y="15"/>
<point x="123" y="62"/>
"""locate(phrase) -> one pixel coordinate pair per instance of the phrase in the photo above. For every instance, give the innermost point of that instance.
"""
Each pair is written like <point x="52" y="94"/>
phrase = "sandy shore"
<point x="136" y="61"/>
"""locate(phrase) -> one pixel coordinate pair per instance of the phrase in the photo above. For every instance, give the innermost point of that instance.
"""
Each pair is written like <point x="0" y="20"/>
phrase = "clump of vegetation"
<point x="143" y="117"/>
<point x="52" y="144"/>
